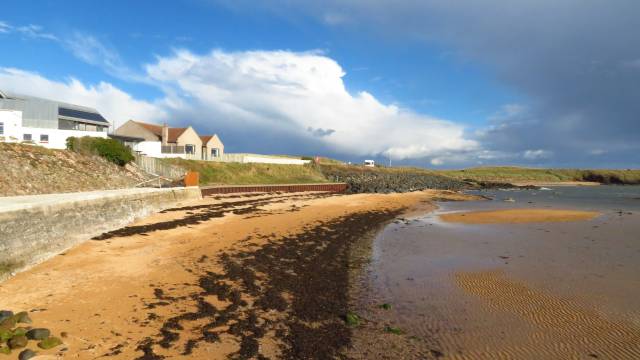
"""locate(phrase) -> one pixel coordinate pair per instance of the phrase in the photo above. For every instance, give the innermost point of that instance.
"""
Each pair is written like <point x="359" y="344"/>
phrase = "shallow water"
<point x="537" y="290"/>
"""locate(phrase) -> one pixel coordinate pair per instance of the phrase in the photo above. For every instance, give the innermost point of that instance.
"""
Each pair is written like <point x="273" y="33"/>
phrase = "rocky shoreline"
<point x="374" y="181"/>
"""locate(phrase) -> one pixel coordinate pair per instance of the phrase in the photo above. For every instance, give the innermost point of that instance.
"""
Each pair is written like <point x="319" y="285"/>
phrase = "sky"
<point x="442" y="84"/>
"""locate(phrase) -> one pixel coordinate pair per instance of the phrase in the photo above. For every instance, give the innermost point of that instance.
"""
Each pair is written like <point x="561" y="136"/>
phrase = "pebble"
<point x="5" y="314"/>
<point x="26" y="354"/>
<point x="49" y="343"/>
<point x="38" y="334"/>
<point x="17" y="342"/>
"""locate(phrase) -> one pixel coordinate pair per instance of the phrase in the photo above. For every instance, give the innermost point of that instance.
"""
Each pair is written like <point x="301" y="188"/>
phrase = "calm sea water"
<point x="500" y="290"/>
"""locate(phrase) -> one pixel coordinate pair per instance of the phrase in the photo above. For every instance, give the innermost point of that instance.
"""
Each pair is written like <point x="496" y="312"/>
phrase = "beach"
<point x="238" y="276"/>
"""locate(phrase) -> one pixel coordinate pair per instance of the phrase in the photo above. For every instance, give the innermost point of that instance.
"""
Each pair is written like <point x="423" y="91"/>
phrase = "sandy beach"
<point x="518" y="216"/>
<point x="239" y="276"/>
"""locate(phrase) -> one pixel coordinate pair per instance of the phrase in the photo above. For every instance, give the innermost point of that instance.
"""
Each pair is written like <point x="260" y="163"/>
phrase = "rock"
<point x="17" y="342"/>
<point x="26" y="354"/>
<point x="20" y="331"/>
<point x="8" y="323"/>
<point x="5" y="350"/>
<point x="64" y="334"/>
<point x="49" y="343"/>
<point x="5" y="314"/>
<point x="5" y="335"/>
<point x="23" y="317"/>
<point x="509" y="200"/>
<point x="38" y="334"/>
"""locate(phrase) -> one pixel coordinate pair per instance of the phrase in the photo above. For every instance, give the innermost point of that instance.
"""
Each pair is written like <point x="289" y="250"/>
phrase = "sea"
<point x="557" y="290"/>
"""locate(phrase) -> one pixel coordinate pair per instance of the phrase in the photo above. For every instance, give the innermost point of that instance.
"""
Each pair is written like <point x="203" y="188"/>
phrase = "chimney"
<point x="165" y="134"/>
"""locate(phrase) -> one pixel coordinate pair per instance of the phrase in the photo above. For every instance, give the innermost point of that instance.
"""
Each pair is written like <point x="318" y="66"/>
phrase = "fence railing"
<point x="156" y="167"/>
<point x="172" y="149"/>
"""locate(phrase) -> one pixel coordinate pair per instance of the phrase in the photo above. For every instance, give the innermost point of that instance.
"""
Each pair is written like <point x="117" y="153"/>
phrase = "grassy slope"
<point x="517" y="174"/>
<point x="213" y="173"/>
<point x="218" y="173"/>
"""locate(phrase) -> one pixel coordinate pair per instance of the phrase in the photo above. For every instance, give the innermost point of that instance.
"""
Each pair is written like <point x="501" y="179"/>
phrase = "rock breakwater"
<point x="374" y="181"/>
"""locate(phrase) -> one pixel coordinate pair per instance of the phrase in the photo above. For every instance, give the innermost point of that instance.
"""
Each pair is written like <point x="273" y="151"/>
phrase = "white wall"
<point x="154" y="149"/>
<point x="274" y="160"/>
<point x="12" y="121"/>
<point x="14" y="132"/>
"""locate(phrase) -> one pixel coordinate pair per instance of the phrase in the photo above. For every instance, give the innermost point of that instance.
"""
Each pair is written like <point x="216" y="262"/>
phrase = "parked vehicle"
<point x="369" y="163"/>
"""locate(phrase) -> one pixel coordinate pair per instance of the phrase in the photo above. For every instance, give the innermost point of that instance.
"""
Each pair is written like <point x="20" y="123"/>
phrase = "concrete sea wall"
<point x="35" y="228"/>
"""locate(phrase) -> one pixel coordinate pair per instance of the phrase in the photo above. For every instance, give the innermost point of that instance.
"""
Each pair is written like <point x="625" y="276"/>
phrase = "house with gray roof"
<point x="33" y="120"/>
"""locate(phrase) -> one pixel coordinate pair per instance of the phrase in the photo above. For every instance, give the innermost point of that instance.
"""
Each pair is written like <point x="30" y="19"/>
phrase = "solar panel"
<point x="79" y="114"/>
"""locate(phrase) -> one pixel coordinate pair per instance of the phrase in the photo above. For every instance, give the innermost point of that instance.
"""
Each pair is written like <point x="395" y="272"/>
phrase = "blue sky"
<point x="455" y="90"/>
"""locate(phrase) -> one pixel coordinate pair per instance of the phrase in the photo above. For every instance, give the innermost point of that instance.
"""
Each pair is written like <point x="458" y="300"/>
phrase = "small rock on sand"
<point x="26" y="354"/>
<point x="18" y="342"/>
<point x="38" y="334"/>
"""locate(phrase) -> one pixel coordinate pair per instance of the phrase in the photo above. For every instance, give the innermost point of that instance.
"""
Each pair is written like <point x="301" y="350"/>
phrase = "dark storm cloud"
<point x="575" y="62"/>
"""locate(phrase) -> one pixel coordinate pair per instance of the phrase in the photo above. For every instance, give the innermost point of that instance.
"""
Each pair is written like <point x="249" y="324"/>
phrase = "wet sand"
<point x="240" y="276"/>
<point x="518" y="216"/>
<point x="534" y="290"/>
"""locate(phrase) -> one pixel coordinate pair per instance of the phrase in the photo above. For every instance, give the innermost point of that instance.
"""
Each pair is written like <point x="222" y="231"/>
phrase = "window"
<point x="67" y="124"/>
<point x="26" y="137"/>
<point x="215" y="152"/>
<point x="1" y="128"/>
<point x="44" y="138"/>
<point x="190" y="149"/>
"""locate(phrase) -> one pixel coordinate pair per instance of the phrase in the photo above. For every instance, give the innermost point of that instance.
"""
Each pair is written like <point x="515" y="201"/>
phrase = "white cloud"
<point x="5" y="27"/>
<point x="294" y="92"/>
<point x="116" y="105"/>
<point x="537" y="154"/>
<point x="335" y="18"/>
<point x="89" y="49"/>
<point x="35" y="31"/>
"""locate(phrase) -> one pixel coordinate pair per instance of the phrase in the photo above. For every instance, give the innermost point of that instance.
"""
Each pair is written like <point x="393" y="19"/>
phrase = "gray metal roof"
<point x="38" y="112"/>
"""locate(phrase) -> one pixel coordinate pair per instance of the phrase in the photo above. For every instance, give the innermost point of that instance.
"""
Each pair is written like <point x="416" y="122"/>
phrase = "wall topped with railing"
<point x="261" y="159"/>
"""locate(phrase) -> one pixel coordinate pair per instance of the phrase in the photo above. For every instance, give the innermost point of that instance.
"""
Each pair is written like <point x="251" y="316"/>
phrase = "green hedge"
<point x="109" y="149"/>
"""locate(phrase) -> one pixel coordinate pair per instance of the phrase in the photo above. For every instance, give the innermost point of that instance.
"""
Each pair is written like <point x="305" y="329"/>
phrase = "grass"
<point x="219" y="173"/>
<point x="520" y="174"/>
<point x="352" y="319"/>
<point x="393" y="330"/>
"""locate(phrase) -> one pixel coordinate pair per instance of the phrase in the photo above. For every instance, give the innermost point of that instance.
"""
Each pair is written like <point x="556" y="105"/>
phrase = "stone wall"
<point x="35" y="228"/>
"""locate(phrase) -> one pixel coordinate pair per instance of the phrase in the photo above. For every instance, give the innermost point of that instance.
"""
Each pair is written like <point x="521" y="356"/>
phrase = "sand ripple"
<point x="561" y="328"/>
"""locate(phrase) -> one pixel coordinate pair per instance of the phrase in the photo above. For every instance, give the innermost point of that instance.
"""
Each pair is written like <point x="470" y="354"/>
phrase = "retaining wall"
<point x="35" y="228"/>
<point x="331" y="187"/>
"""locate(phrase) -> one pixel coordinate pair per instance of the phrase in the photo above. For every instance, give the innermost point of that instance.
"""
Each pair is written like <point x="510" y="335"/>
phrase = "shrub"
<point x="110" y="149"/>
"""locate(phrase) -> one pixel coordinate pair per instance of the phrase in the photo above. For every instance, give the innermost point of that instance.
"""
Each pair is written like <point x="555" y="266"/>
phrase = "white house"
<point x="27" y="119"/>
<point x="162" y="141"/>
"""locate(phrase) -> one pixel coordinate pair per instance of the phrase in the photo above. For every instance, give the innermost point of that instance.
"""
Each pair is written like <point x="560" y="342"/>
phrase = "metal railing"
<point x="172" y="149"/>
<point x="156" y="167"/>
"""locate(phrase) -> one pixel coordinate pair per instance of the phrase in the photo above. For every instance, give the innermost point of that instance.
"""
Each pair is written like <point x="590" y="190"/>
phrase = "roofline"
<point x="10" y="95"/>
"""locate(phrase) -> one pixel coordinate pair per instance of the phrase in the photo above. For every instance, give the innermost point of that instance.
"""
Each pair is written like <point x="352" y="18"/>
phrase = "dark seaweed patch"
<point x="312" y="268"/>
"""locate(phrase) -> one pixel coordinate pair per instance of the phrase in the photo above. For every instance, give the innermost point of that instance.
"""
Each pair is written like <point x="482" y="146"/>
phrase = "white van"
<point x="369" y="163"/>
